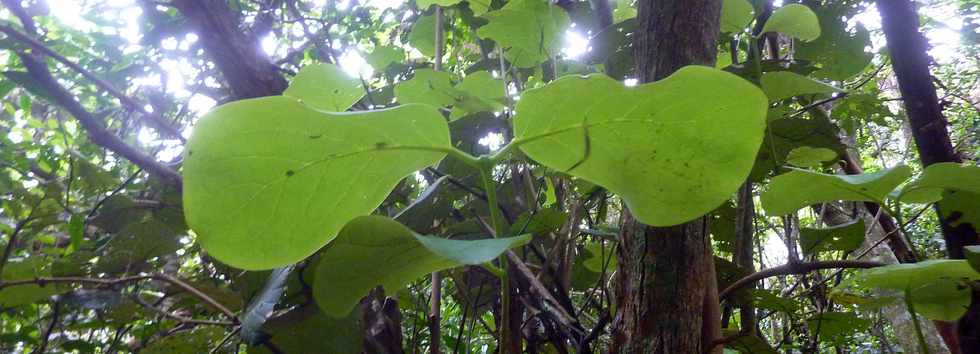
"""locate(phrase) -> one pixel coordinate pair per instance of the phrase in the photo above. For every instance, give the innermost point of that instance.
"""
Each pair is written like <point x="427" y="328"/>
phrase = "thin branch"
<point x="795" y="268"/>
<point x="55" y="313"/>
<point x="154" y="119"/>
<point x="42" y="281"/>
<point x="181" y="319"/>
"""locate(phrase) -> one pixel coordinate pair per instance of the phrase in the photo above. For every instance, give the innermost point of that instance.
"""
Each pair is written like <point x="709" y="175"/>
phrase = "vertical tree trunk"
<point x="744" y="236"/>
<point x="666" y="290"/>
<point x="910" y="61"/>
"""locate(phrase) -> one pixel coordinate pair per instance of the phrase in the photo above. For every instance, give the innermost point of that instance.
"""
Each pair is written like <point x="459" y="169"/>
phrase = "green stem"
<point x="486" y="173"/>
<point x="915" y="321"/>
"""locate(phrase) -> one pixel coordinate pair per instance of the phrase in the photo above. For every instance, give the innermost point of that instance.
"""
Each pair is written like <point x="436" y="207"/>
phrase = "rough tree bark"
<point x="910" y="61"/>
<point x="235" y="52"/>
<point x="665" y="287"/>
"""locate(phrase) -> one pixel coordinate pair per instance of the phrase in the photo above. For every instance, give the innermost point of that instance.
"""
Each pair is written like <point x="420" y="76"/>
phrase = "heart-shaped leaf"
<point x="940" y="177"/>
<point x="780" y="85"/>
<point x="374" y="250"/>
<point x="736" y="15"/>
<point x="325" y="87"/>
<point x="806" y="156"/>
<point x="429" y="87"/>
<point x="794" y="20"/>
<point x="269" y="181"/>
<point x="673" y="150"/>
<point x="936" y="285"/>
<point x="529" y="30"/>
<point x="791" y="191"/>
<point x="846" y="237"/>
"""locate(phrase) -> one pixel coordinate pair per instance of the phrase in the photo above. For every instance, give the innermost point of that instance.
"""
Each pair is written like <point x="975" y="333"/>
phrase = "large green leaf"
<point x="269" y="181"/>
<point x="940" y="177"/>
<point x="529" y="30"/>
<point x="794" y="20"/>
<point x="937" y="288"/>
<point x="846" y="237"/>
<point x="958" y="186"/>
<point x="673" y="150"/>
<point x="735" y="15"/>
<point x="800" y="188"/>
<point x="325" y="87"/>
<point x="374" y="250"/>
<point x="780" y="85"/>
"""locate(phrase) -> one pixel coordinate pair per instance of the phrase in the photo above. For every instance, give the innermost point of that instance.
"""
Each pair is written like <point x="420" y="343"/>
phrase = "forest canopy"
<point x="489" y="176"/>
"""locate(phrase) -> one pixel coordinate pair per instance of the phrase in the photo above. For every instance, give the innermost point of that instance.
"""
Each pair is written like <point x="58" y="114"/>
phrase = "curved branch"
<point x="154" y="119"/>
<point x="97" y="133"/>
<point x="795" y="268"/>
<point x="42" y="281"/>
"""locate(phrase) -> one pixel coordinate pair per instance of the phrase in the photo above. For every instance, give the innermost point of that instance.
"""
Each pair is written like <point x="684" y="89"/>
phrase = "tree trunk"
<point x="744" y="237"/>
<point x="910" y="61"/>
<point x="236" y="52"/>
<point x="665" y="287"/>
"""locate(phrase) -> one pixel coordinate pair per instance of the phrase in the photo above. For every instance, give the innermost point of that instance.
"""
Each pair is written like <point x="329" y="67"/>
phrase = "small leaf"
<point x="374" y="250"/>
<point x="780" y="85"/>
<point x="385" y="55"/>
<point x="325" y="87"/>
<point x="197" y="340"/>
<point x="429" y="87"/>
<point x="425" y="4"/>
<point x="839" y="52"/>
<point x="261" y="195"/>
<point x="748" y="344"/>
<point x="623" y="11"/>
<point x="735" y="15"/>
<point x="306" y="329"/>
<point x="972" y="254"/>
<point x="673" y="150"/>
<point x="767" y="300"/>
<point x="483" y="92"/>
<point x="262" y="305"/>
<point x="423" y="35"/>
<point x="846" y="237"/>
<point x="806" y="156"/>
<point x="601" y="259"/>
<point x="794" y="20"/>
<point x="530" y="31"/>
<point x="837" y="326"/>
<point x="800" y="188"/>
<point x="76" y="232"/>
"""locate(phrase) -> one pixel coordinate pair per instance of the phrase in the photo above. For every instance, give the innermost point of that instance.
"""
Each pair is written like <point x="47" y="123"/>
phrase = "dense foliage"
<point x="294" y="176"/>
